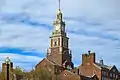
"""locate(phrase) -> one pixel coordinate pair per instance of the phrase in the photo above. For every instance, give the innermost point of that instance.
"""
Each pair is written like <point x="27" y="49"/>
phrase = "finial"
<point x="59" y="11"/>
<point x="89" y="52"/>
<point x="59" y="4"/>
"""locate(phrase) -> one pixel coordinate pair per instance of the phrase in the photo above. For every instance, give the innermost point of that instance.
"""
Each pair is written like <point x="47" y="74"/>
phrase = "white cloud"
<point x="102" y="47"/>
<point x="21" y="36"/>
<point x="96" y="21"/>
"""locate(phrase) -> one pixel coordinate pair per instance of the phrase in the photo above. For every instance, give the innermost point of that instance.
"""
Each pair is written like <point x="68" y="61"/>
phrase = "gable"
<point x="44" y="63"/>
<point x="114" y="69"/>
<point x="68" y="75"/>
<point x="86" y="78"/>
<point x="95" y="77"/>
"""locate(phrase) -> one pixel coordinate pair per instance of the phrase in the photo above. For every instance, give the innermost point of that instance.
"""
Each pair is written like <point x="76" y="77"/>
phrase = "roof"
<point x="53" y="63"/>
<point x="88" y="77"/>
<point x="68" y="71"/>
<point x="68" y="75"/>
<point x="103" y="66"/>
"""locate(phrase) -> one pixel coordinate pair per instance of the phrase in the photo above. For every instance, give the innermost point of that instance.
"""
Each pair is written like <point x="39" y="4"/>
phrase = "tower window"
<point x="55" y="43"/>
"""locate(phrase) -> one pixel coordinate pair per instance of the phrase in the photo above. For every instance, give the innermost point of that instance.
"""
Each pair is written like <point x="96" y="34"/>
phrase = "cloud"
<point x="30" y="52"/>
<point x="24" y="37"/>
<point x="91" y="25"/>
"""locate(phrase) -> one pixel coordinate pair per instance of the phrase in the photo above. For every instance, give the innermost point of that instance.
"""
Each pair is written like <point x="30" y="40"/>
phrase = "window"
<point x="110" y="74"/>
<point x="104" y="73"/>
<point x="103" y="78"/>
<point x="116" y="76"/>
<point x="113" y="70"/>
<point x="55" y="42"/>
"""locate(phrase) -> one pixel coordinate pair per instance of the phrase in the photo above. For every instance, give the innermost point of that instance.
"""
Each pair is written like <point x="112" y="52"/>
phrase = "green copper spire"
<point x="7" y="60"/>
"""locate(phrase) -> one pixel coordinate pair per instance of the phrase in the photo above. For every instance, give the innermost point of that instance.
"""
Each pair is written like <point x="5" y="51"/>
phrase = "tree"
<point x="41" y="74"/>
<point x="37" y="74"/>
<point x="19" y="73"/>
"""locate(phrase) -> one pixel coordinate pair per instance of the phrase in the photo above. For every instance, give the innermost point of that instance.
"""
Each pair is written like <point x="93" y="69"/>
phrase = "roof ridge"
<point x="103" y="65"/>
<point x="52" y="62"/>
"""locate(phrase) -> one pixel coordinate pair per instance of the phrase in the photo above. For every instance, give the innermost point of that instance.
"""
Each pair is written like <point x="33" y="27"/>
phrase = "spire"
<point x="59" y="4"/>
<point x="7" y="60"/>
<point x="59" y="8"/>
<point x="101" y="61"/>
<point x="59" y="13"/>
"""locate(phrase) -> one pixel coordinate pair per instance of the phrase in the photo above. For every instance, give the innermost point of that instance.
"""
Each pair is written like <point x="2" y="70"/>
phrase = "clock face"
<point x="57" y="27"/>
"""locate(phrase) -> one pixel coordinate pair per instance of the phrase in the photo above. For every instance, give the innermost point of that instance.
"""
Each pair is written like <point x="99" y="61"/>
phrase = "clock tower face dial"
<point x="57" y="27"/>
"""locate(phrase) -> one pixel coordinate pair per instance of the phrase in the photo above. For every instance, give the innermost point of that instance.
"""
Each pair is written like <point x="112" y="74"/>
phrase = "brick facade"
<point x="104" y="72"/>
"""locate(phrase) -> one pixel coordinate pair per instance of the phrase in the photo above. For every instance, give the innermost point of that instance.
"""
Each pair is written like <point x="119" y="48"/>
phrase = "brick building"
<point x="59" y="59"/>
<point x="104" y="72"/>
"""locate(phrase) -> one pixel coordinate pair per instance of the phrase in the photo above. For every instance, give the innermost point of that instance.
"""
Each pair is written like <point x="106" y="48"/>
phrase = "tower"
<point x="7" y="69"/>
<point x="58" y="51"/>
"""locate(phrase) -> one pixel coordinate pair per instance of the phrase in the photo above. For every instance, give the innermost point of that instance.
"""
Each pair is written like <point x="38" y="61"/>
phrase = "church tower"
<point x="58" y="51"/>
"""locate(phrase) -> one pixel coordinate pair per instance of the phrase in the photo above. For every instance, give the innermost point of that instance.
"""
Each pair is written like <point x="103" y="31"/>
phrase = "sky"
<point x="26" y="25"/>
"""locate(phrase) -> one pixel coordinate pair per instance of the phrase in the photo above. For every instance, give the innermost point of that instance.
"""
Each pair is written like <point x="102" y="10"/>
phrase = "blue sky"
<point x="25" y="27"/>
